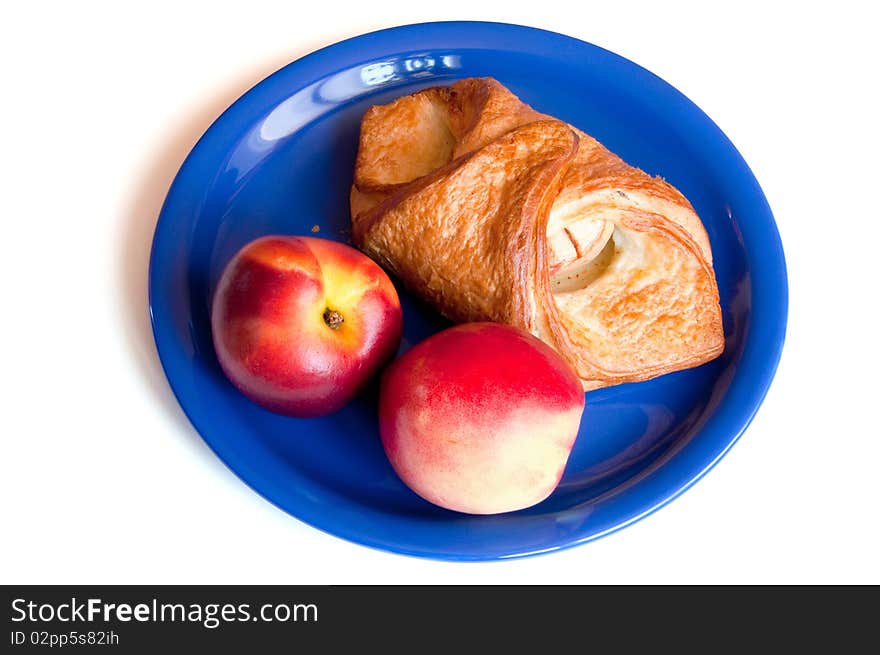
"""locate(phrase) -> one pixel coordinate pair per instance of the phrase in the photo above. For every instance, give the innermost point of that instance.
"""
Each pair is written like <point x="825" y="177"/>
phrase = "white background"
<point x="104" y="480"/>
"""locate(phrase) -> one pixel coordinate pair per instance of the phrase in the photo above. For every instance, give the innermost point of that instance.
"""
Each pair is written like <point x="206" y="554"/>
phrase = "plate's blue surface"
<point x="280" y="161"/>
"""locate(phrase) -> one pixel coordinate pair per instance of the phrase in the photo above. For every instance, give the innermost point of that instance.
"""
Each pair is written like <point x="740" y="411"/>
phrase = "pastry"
<point x="492" y="211"/>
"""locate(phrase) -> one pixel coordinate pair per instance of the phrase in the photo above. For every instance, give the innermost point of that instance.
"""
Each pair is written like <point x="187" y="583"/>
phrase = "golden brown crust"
<point x="493" y="211"/>
<point x="403" y="140"/>
<point x="484" y="268"/>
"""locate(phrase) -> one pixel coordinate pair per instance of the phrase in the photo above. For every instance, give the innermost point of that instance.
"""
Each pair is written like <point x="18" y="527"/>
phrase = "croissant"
<point x="492" y="211"/>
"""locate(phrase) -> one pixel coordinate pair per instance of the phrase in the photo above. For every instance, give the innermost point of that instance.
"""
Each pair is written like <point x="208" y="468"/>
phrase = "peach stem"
<point x="333" y="319"/>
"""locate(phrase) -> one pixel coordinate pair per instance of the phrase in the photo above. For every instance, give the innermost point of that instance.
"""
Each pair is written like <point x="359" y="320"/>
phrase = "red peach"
<point x="480" y="418"/>
<point x="300" y="323"/>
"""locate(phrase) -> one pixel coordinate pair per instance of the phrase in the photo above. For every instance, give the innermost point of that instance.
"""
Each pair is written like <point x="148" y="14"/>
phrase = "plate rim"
<point x="775" y="256"/>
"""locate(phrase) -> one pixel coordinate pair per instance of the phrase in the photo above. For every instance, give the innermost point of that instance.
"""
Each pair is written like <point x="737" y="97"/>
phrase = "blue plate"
<point x="280" y="160"/>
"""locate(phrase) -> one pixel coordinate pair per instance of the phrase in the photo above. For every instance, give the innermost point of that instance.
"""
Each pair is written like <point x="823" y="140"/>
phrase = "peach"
<point x="300" y="324"/>
<point x="480" y="418"/>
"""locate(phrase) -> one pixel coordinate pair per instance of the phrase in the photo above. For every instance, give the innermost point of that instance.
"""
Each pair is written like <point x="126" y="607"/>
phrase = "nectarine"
<point x="300" y="324"/>
<point x="480" y="418"/>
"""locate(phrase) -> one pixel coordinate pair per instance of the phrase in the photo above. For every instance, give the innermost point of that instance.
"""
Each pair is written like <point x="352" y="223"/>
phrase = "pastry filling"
<point x="581" y="272"/>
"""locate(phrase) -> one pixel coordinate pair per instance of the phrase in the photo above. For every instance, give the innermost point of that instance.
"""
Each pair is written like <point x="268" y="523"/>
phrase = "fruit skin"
<point x="480" y="418"/>
<point x="269" y="330"/>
